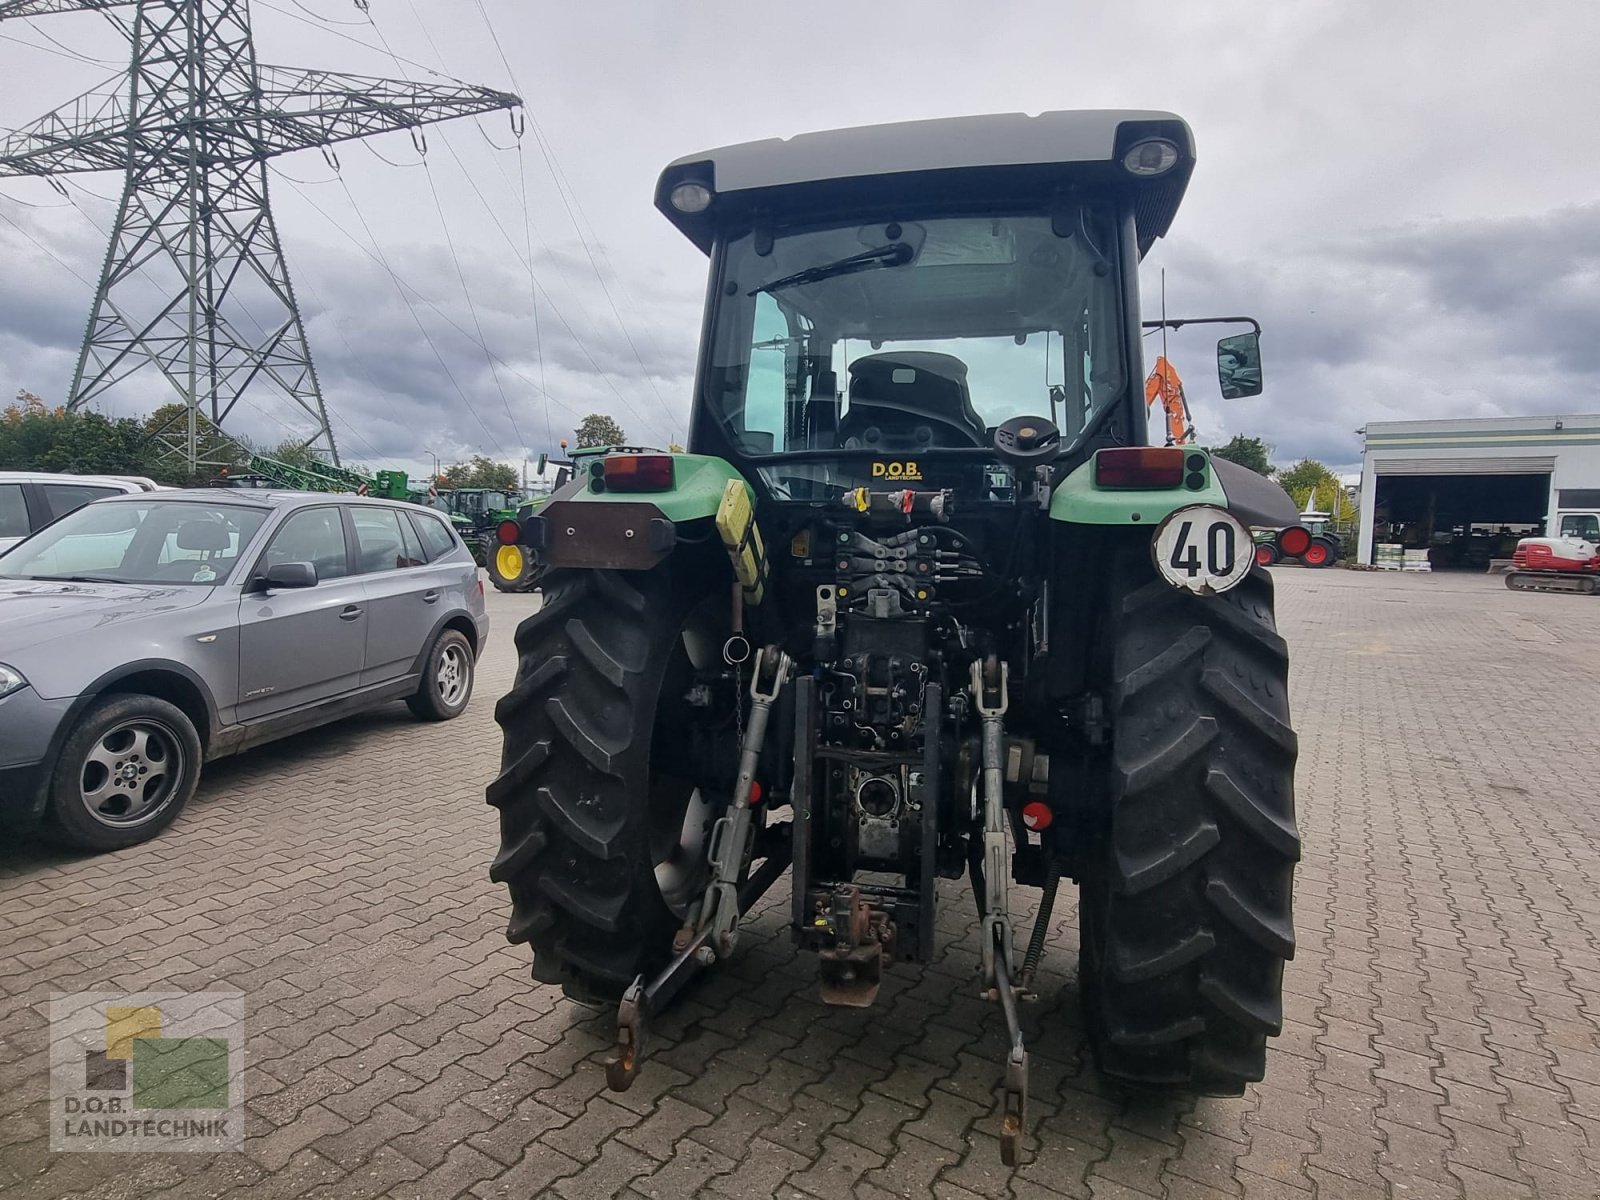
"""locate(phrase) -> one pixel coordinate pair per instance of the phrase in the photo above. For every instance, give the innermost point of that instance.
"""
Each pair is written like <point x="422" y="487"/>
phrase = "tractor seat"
<point x="910" y="400"/>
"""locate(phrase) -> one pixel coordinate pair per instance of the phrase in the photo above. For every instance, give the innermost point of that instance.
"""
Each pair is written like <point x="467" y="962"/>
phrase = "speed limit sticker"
<point x="1203" y="549"/>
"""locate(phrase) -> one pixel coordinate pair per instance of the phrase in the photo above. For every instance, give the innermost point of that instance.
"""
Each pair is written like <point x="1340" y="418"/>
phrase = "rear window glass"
<point x="13" y="513"/>
<point x="69" y="497"/>
<point x="436" y="539"/>
<point x="382" y="547"/>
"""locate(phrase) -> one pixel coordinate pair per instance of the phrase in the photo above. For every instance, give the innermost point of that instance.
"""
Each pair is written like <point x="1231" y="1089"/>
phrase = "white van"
<point x="30" y="500"/>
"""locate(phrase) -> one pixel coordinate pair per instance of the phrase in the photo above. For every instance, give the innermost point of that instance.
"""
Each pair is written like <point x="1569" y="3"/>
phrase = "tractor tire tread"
<point x="573" y="784"/>
<point x="1188" y="911"/>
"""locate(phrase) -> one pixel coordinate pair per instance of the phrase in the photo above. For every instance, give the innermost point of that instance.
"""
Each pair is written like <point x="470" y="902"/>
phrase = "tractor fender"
<point x="1255" y="500"/>
<point x="587" y="524"/>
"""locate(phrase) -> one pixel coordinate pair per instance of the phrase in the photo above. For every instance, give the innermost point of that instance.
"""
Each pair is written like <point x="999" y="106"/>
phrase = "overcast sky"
<point x="1407" y="195"/>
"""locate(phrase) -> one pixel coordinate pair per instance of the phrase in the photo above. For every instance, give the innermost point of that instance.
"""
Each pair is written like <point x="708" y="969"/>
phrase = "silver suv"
<point x="145" y="634"/>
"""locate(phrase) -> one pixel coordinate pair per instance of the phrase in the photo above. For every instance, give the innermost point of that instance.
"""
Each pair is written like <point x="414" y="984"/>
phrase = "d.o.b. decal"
<point x="897" y="470"/>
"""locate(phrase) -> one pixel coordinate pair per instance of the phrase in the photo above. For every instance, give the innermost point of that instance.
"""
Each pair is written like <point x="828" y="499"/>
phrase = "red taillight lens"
<point x="639" y="472"/>
<point x="1294" y="541"/>
<point x="1139" y="467"/>
<point x="509" y="533"/>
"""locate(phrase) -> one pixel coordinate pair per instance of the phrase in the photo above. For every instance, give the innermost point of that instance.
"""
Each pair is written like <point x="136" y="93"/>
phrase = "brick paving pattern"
<point x="1443" y="1012"/>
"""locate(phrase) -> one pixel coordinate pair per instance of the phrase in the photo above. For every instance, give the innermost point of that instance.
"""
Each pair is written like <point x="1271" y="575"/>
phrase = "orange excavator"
<point x="1164" y="385"/>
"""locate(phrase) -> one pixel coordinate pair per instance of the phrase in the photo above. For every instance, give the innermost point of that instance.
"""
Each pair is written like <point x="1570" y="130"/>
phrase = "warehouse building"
<point x="1467" y="489"/>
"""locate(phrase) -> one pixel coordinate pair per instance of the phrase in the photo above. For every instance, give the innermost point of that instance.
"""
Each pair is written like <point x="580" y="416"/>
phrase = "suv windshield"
<point x="898" y="338"/>
<point x="138" y="541"/>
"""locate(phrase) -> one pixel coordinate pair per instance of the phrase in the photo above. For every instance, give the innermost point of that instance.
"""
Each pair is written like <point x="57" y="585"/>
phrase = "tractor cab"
<point x="885" y="300"/>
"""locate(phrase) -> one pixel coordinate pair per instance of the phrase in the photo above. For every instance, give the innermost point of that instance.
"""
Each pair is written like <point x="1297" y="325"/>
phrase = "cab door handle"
<point x="351" y="612"/>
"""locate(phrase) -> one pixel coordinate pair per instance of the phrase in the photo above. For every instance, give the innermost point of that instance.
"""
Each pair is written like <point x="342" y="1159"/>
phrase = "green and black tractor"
<point x="512" y="566"/>
<point x="920" y="602"/>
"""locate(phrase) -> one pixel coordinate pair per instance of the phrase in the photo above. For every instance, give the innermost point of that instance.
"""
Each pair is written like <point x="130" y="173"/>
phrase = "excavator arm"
<point x="1164" y="385"/>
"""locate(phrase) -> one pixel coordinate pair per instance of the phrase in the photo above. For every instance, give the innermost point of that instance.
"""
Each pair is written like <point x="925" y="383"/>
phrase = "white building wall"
<point x="1575" y="446"/>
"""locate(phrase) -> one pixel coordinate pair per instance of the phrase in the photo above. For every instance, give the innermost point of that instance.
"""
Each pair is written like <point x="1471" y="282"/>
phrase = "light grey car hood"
<point x="35" y="612"/>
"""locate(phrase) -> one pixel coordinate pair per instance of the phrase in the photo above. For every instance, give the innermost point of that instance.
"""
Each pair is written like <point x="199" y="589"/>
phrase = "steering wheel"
<point x="1027" y="441"/>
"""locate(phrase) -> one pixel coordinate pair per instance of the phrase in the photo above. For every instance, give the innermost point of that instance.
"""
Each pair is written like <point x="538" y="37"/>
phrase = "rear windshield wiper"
<point x="895" y="254"/>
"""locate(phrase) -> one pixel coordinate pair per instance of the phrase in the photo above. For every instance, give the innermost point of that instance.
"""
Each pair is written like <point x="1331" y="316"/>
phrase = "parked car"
<point x="145" y="634"/>
<point x="30" y="500"/>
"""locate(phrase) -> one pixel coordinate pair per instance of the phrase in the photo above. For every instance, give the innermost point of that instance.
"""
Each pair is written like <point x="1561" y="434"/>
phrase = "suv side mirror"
<point x="290" y="575"/>
<point x="1239" y="365"/>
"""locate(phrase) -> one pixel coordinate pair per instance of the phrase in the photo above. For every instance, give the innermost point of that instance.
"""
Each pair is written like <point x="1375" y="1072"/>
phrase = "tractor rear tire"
<point x="510" y="568"/>
<point x="1321" y="553"/>
<point x="594" y="791"/>
<point x="1187" y="898"/>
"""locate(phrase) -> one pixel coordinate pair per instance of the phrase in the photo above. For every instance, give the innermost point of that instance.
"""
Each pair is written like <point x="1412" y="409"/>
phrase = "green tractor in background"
<point x="513" y="567"/>
<point x="477" y="513"/>
<point x="919" y="603"/>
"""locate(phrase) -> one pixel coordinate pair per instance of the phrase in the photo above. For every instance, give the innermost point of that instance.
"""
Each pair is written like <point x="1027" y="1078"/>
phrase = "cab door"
<point x="300" y="646"/>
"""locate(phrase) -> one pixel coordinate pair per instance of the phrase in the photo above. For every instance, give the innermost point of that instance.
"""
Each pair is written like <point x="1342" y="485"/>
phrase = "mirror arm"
<point x="1180" y="322"/>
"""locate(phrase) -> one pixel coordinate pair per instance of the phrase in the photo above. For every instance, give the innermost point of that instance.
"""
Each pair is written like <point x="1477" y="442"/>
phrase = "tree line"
<point x="37" y="436"/>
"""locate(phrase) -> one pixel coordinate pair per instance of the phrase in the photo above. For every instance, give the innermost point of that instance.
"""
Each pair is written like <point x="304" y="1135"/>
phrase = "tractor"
<point x="511" y="566"/>
<point x="919" y="602"/>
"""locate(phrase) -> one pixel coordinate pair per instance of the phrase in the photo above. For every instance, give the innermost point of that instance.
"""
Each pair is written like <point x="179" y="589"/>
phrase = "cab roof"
<point x="998" y="154"/>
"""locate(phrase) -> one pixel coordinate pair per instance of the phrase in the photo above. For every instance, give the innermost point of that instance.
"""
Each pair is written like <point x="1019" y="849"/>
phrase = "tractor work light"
<point x="509" y="533"/>
<point x="1152" y="157"/>
<point x="691" y="196"/>
<point x="638" y="472"/>
<point x="1294" y="541"/>
<point x="1139" y="467"/>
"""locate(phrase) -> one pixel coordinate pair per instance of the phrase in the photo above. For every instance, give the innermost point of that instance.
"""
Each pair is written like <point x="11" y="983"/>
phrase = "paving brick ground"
<point x="1443" y="1033"/>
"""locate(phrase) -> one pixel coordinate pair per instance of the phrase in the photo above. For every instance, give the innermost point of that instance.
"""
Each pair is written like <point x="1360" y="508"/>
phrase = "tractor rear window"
<point x="903" y="337"/>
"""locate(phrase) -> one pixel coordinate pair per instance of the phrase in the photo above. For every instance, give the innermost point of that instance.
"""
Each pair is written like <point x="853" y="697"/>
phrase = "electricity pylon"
<point x="194" y="281"/>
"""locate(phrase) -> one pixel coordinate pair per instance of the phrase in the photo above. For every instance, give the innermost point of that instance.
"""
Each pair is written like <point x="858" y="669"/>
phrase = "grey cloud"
<point x="1405" y="202"/>
<point x="1432" y="319"/>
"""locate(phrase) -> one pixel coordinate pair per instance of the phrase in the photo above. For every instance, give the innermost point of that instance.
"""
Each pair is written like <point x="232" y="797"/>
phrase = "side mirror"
<point x="1239" y="365"/>
<point x="290" y="575"/>
<point x="544" y="461"/>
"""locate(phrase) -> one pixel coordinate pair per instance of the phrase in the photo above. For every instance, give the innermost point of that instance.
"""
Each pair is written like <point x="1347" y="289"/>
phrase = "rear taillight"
<point x="509" y="533"/>
<point x="638" y="472"/>
<point x="1139" y="467"/>
<point x="1294" y="541"/>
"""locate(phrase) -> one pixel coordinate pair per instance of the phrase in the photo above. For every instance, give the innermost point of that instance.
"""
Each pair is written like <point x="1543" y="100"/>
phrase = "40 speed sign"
<point x="1203" y="549"/>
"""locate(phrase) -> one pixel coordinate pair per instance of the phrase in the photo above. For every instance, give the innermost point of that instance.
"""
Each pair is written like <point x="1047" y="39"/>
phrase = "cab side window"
<point x="68" y="497"/>
<point x="13" y="512"/>
<point x="1586" y="527"/>
<point x="313" y="535"/>
<point x="380" y="544"/>
<point x="437" y="541"/>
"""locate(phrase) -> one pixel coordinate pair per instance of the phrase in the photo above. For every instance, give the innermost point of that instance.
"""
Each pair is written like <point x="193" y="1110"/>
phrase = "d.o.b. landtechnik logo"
<point x="146" y="1071"/>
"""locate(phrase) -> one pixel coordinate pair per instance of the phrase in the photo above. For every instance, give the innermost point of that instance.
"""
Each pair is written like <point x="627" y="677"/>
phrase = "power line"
<point x="560" y="316"/>
<point x="533" y="295"/>
<point x="40" y="246"/>
<point x="407" y="290"/>
<point x="489" y="208"/>
<point x="410" y="62"/>
<point x="383" y="259"/>
<point x="563" y="188"/>
<point x="472" y="308"/>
